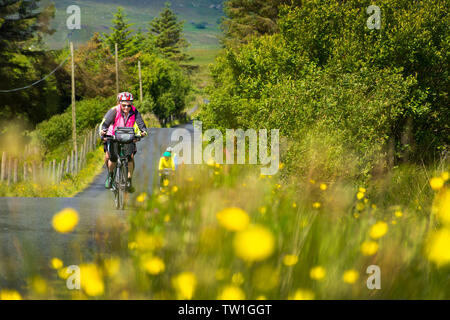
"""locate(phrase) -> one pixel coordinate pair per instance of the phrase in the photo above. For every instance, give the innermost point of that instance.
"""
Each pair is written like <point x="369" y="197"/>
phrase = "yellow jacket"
<point x="163" y="164"/>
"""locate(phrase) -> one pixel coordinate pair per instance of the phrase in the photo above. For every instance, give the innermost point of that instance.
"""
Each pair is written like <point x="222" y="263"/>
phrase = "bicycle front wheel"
<point x="123" y="186"/>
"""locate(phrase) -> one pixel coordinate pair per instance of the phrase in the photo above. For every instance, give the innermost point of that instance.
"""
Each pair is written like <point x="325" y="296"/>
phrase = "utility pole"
<point x="117" y="70"/>
<point x="74" y="122"/>
<point x="140" y="82"/>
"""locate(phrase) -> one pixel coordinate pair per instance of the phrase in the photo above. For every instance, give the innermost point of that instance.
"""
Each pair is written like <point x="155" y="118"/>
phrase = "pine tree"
<point x="120" y="32"/>
<point x="168" y="35"/>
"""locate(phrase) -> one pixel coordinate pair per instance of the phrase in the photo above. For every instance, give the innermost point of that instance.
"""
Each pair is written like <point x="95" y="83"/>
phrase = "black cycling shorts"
<point x="110" y="146"/>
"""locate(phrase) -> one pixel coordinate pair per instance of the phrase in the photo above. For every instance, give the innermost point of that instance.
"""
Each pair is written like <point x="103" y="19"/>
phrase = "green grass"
<point x="176" y="245"/>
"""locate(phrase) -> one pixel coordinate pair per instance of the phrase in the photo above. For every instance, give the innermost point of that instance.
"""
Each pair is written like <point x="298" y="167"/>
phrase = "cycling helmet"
<point x="125" y="96"/>
<point x="169" y="149"/>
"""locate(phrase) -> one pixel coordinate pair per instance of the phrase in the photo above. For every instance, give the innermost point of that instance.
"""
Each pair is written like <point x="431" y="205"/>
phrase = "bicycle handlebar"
<point x="113" y="138"/>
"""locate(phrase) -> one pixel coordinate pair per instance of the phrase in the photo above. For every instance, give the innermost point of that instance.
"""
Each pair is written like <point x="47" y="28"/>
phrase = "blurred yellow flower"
<point x="10" y="295"/>
<point x="281" y="165"/>
<point x="394" y="222"/>
<point x="112" y="266"/>
<point x="369" y="248"/>
<point x="145" y="241"/>
<point x="290" y="260"/>
<point x="254" y="244"/>
<point x="294" y="205"/>
<point x="237" y="278"/>
<point x="211" y="162"/>
<point x="323" y="186"/>
<point x="360" y="206"/>
<point x="312" y="181"/>
<point x="445" y="176"/>
<point x="441" y="206"/>
<point x="165" y="182"/>
<point x="317" y="273"/>
<point x="231" y="293"/>
<point x="174" y="189"/>
<point x="63" y="274"/>
<point x="65" y="220"/>
<point x="316" y="205"/>
<point x="398" y="213"/>
<point x="132" y="245"/>
<point x="39" y="285"/>
<point x="262" y="210"/>
<point x="153" y="265"/>
<point x="262" y="297"/>
<point x="378" y="230"/>
<point x="350" y="276"/>
<point x="141" y="197"/>
<point x="233" y="219"/>
<point x="278" y="186"/>
<point x="438" y="247"/>
<point x="436" y="183"/>
<point x="359" y="195"/>
<point x="302" y="294"/>
<point x="56" y="263"/>
<point x="362" y="190"/>
<point x="166" y="218"/>
<point x="91" y="280"/>
<point x="185" y="284"/>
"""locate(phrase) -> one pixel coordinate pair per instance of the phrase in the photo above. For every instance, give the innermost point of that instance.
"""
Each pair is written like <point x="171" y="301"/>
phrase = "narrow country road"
<point x="26" y="232"/>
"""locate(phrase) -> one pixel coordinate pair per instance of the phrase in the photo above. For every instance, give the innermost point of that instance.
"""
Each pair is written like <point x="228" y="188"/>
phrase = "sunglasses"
<point x="126" y="105"/>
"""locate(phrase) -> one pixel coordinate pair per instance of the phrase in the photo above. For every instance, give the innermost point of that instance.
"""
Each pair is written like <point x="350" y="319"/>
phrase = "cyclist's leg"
<point x="112" y="156"/>
<point x="131" y="162"/>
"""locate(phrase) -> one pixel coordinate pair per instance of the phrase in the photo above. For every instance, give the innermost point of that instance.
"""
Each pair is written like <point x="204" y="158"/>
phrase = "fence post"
<point x="53" y="170"/>
<point x="72" y="162"/>
<point x="34" y="170"/>
<point x="2" y="176"/>
<point x="67" y="164"/>
<point x="16" y="164"/>
<point x="8" y="171"/>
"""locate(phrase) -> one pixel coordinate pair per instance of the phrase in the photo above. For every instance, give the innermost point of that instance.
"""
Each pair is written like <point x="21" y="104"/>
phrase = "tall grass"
<point x="227" y="232"/>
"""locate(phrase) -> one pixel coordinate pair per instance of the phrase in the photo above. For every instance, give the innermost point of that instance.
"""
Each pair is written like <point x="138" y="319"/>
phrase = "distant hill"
<point x="201" y="28"/>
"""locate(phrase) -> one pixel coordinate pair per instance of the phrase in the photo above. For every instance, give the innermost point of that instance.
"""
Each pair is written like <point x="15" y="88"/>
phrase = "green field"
<point x="96" y="16"/>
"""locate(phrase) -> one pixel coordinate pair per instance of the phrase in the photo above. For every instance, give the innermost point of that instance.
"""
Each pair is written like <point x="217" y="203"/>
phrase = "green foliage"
<point x="168" y="35"/>
<point x="164" y="85"/>
<point x="338" y="90"/>
<point x="54" y="131"/>
<point x="120" y="32"/>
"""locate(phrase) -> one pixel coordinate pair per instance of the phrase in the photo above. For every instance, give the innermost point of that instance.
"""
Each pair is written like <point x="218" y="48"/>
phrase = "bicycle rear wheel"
<point x="117" y="194"/>
<point x="123" y="186"/>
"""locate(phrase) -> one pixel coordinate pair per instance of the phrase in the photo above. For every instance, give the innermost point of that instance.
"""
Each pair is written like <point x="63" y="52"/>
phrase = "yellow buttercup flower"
<point x="350" y="276"/>
<point x="445" y="176"/>
<point x="237" y="278"/>
<point x="165" y="182"/>
<point x="294" y="205"/>
<point x="254" y="244"/>
<point x="360" y="195"/>
<point x="302" y="294"/>
<point x="154" y="265"/>
<point x="233" y="219"/>
<point x="316" y="205"/>
<point x="362" y="190"/>
<point x="56" y="263"/>
<point x="441" y="206"/>
<point x="378" y="230"/>
<point x="438" y="247"/>
<point x="398" y="213"/>
<point x="65" y="220"/>
<point x="174" y="189"/>
<point x="91" y="280"/>
<point x="369" y="248"/>
<point x="145" y="241"/>
<point x="141" y="197"/>
<point x="290" y="260"/>
<point x="231" y="293"/>
<point x="323" y="186"/>
<point x="317" y="273"/>
<point x="112" y="266"/>
<point x="167" y="218"/>
<point x="312" y="181"/>
<point x="436" y="183"/>
<point x="185" y="284"/>
<point x="10" y="295"/>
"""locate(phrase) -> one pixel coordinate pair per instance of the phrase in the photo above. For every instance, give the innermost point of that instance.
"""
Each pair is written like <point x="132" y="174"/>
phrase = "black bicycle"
<point x="122" y="146"/>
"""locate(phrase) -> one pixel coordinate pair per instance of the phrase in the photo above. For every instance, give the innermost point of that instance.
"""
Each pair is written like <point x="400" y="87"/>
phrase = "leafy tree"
<point x="120" y="32"/>
<point x="164" y="85"/>
<point x="245" y="19"/>
<point x="23" y="61"/>
<point x="168" y="35"/>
